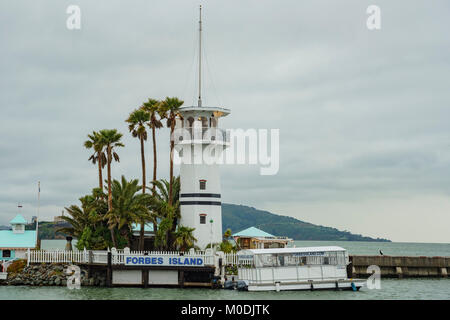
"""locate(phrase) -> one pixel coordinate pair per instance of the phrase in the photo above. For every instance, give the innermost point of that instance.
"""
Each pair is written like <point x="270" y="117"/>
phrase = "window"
<point x="202" y="184"/>
<point x="202" y="218"/>
<point x="6" y="253"/>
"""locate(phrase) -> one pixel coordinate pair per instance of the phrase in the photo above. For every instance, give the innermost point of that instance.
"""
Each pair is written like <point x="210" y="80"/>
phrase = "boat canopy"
<point x="290" y="250"/>
<point x="293" y="257"/>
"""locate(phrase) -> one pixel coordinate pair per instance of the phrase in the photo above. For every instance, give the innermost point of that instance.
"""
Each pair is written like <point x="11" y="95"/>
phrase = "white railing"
<point x="101" y="256"/>
<point x="117" y="256"/>
<point x="56" y="256"/>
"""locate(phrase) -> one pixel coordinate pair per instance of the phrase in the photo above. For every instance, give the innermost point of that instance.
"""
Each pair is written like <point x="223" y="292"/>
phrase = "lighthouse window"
<point x="203" y="219"/>
<point x="202" y="184"/>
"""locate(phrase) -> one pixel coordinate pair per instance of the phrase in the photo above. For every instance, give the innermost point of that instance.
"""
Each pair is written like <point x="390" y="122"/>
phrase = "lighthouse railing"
<point x="210" y="134"/>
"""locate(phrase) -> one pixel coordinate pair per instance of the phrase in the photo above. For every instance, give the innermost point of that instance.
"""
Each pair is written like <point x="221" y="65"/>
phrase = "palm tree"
<point x="98" y="156"/>
<point x="227" y="234"/>
<point x="161" y="196"/>
<point x="88" y="215"/>
<point x="153" y="107"/>
<point x="136" y="124"/>
<point x="129" y="206"/>
<point x="111" y="139"/>
<point x="184" y="239"/>
<point x="166" y="212"/>
<point x="170" y="107"/>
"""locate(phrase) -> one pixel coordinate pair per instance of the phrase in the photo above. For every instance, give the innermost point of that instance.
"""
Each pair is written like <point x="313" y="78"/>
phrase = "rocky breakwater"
<point x="49" y="274"/>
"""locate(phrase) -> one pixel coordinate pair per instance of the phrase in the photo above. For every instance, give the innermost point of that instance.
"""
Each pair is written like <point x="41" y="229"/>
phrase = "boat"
<point x="304" y="268"/>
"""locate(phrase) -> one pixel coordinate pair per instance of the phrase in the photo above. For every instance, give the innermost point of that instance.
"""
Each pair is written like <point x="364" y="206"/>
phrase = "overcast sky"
<point x="363" y="115"/>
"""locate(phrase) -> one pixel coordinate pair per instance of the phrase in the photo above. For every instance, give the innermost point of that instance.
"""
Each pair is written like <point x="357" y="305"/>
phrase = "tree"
<point x="98" y="156"/>
<point x="86" y="222"/>
<point x="111" y="139"/>
<point x="128" y="207"/>
<point x="167" y="213"/>
<point x="153" y="107"/>
<point x="170" y="107"/>
<point x="136" y="124"/>
<point x="184" y="239"/>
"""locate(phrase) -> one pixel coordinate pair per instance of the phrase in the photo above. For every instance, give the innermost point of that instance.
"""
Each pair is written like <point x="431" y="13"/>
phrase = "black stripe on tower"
<point x="200" y="195"/>
<point x="206" y="203"/>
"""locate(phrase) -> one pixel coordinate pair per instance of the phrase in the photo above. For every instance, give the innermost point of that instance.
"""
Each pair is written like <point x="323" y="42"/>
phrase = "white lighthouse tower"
<point x="199" y="142"/>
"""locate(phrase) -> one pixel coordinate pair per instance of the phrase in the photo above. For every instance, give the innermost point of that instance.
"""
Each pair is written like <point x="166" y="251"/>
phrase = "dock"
<point x="399" y="266"/>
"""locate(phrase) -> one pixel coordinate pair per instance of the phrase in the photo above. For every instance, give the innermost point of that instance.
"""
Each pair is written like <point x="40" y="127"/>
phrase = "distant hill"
<point x="239" y="217"/>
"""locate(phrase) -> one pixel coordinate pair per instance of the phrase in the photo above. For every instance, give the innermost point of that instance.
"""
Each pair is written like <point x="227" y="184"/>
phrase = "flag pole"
<point x="37" y="217"/>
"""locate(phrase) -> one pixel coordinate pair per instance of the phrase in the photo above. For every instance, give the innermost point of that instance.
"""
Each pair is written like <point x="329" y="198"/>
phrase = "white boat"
<point x="308" y="268"/>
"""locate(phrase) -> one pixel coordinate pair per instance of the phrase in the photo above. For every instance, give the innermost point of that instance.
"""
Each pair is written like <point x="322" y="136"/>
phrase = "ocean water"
<point x="391" y="289"/>
<point x="387" y="248"/>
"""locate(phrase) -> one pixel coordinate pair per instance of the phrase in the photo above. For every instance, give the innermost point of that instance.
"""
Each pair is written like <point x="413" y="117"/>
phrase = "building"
<point x="197" y="134"/>
<point x="254" y="238"/>
<point x="149" y="236"/>
<point x="58" y="219"/>
<point x="15" y="243"/>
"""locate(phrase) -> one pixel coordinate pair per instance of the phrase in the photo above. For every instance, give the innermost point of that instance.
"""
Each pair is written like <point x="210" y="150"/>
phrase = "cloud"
<point x="363" y="115"/>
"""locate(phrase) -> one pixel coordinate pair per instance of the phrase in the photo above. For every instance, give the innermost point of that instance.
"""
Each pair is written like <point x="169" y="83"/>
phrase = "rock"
<point x="57" y="281"/>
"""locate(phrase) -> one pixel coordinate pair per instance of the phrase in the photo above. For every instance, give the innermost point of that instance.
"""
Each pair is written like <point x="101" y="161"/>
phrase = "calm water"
<point x="388" y="248"/>
<point x="390" y="288"/>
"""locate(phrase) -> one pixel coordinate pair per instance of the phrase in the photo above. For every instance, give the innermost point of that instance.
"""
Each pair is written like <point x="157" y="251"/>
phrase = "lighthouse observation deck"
<point x="199" y="125"/>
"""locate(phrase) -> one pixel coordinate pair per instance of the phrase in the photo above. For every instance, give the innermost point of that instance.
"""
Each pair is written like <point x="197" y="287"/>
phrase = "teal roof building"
<point x="254" y="238"/>
<point x="253" y="232"/>
<point x="14" y="243"/>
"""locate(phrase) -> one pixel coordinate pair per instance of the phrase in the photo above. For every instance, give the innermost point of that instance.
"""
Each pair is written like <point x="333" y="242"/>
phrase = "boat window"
<point x="281" y="260"/>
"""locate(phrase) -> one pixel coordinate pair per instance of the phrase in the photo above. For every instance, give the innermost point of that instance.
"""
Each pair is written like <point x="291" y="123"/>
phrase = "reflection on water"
<point x="390" y="289"/>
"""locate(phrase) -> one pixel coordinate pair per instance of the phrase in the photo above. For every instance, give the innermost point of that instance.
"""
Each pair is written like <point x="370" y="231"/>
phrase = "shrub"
<point x="17" y="266"/>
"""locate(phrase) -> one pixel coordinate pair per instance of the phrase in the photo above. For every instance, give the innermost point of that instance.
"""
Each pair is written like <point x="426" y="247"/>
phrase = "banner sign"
<point x="157" y="260"/>
<point x="309" y="254"/>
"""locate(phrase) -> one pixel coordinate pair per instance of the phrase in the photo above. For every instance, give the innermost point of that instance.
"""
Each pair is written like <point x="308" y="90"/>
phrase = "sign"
<point x="309" y="254"/>
<point x="163" y="260"/>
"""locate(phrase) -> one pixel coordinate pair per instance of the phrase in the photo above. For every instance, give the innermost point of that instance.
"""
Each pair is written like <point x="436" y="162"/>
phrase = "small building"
<point x="254" y="238"/>
<point x="149" y="236"/>
<point x="15" y="243"/>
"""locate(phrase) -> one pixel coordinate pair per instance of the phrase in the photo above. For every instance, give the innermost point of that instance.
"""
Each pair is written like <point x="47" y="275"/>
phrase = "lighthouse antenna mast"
<point x="200" y="59"/>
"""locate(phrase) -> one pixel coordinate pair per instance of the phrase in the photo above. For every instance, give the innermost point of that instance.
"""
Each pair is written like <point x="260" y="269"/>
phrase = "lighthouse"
<point x="200" y="143"/>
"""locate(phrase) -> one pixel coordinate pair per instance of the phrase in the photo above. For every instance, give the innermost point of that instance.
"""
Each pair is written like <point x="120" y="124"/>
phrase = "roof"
<point x="18" y="220"/>
<point x="8" y="239"/>
<point x="219" y="111"/>
<point x="290" y="250"/>
<point x="147" y="228"/>
<point x="253" y="232"/>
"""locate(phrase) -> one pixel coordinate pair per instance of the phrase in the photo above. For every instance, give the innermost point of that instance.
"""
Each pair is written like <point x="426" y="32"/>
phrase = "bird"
<point x="381" y="252"/>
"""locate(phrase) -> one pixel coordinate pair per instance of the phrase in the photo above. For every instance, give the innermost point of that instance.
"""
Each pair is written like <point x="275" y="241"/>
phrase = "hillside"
<point x="239" y="217"/>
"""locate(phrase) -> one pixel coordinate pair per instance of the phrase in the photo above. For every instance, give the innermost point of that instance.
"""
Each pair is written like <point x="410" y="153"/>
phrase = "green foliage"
<point x="129" y="206"/>
<point x="227" y="247"/>
<point x="94" y="238"/>
<point x="184" y="239"/>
